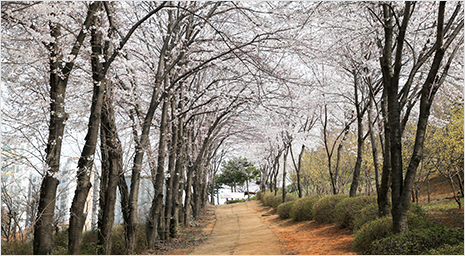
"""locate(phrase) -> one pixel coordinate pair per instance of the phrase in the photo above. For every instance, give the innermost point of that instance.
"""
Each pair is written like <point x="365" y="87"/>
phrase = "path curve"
<point x="239" y="231"/>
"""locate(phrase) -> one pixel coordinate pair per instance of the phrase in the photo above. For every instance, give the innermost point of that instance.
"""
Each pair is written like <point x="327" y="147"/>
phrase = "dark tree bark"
<point x="171" y="170"/>
<point x="383" y="194"/>
<point x="373" y="141"/>
<point x="178" y="173"/>
<point x="286" y="152"/>
<point x="360" y="139"/>
<point x="85" y="163"/>
<point x="59" y="75"/>
<point x="112" y="167"/>
<point x="402" y="187"/>
<point x="155" y="210"/>
<point x="44" y="223"/>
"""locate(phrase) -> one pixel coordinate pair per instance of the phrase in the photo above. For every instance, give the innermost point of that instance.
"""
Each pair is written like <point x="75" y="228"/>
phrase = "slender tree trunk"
<point x="178" y="177"/>
<point x="383" y="199"/>
<point x="373" y="145"/>
<point x="286" y="151"/>
<point x="170" y="191"/>
<point x="58" y="82"/>
<point x="358" y="162"/>
<point x="188" y="197"/>
<point x="43" y="228"/>
<point x="86" y="162"/>
<point x="299" y="165"/>
<point x="155" y="210"/>
<point x="112" y="167"/>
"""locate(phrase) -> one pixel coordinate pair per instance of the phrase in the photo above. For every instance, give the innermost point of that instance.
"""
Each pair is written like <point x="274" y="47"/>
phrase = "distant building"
<point x="65" y="195"/>
<point x="146" y="194"/>
<point x="20" y="182"/>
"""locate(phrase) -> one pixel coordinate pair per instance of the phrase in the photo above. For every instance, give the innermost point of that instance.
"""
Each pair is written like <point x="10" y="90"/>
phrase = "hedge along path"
<point x="239" y="231"/>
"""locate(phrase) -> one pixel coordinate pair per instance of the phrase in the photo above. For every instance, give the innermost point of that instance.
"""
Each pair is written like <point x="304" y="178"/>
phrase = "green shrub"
<point x="417" y="241"/>
<point x="268" y="199"/>
<point x="89" y="243"/>
<point x="235" y="201"/>
<point x="60" y="245"/>
<point x="371" y="231"/>
<point x="324" y="209"/>
<point x="447" y="249"/>
<point x="252" y="198"/>
<point x="416" y="215"/>
<point x="348" y="208"/>
<point x="17" y="247"/>
<point x="366" y="214"/>
<point x="284" y="210"/>
<point x="259" y="195"/>
<point x="302" y="209"/>
<point x="278" y="199"/>
<point x="117" y="240"/>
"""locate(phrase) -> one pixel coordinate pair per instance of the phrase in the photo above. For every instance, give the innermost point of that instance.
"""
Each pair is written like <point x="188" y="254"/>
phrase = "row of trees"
<point x="169" y="90"/>
<point x="404" y="60"/>
<point x="169" y="82"/>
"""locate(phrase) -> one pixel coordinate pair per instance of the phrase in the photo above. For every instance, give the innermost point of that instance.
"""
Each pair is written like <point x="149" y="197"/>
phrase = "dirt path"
<point x="239" y="231"/>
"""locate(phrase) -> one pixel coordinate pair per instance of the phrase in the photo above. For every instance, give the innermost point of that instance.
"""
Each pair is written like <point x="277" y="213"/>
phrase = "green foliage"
<point x="348" y="208"/>
<point x="284" y="210"/>
<point x="366" y="214"/>
<point x="447" y="249"/>
<point x="17" y="247"/>
<point x="235" y="201"/>
<point x="89" y="243"/>
<point x="260" y="195"/>
<point x="268" y="199"/>
<point x="302" y="209"/>
<point x="417" y="241"/>
<point x="325" y="209"/>
<point x="371" y="231"/>
<point x="117" y="240"/>
<point x="60" y="246"/>
<point x="236" y="172"/>
<point x="382" y="227"/>
<point x="278" y="199"/>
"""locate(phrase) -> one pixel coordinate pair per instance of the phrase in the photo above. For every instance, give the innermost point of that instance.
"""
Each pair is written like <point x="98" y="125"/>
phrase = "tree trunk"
<point x="197" y="194"/>
<point x="383" y="199"/>
<point x="170" y="191"/>
<point x="188" y="197"/>
<point x="286" y="151"/>
<point x="112" y="167"/>
<point x="86" y="162"/>
<point x="373" y="142"/>
<point x="155" y="210"/>
<point x="299" y="165"/>
<point x="58" y="116"/>
<point x="358" y="162"/>
<point x="178" y="177"/>
<point x="43" y="228"/>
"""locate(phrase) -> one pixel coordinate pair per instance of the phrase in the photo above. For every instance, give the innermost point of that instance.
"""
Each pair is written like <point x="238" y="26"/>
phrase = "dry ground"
<point x="307" y="237"/>
<point x="310" y="237"/>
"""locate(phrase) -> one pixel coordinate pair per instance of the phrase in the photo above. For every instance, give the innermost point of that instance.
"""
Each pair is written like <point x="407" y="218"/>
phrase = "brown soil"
<point x="307" y="237"/>
<point x="189" y="238"/>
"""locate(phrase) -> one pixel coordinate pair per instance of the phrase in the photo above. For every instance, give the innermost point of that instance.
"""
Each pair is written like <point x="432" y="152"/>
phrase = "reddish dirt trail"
<point x="307" y="237"/>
